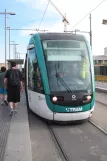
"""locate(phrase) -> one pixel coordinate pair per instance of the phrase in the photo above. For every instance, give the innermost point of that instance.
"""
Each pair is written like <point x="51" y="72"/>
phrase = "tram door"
<point x="36" y="95"/>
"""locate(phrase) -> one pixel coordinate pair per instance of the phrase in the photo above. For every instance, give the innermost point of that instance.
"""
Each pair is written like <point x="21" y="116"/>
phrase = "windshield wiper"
<point x="63" y="83"/>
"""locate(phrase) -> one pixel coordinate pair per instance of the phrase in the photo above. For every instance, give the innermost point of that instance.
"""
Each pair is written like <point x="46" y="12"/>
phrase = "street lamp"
<point x="13" y="47"/>
<point x="14" y="51"/>
<point x="6" y="13"/>
<point x="20" y="54"/>
<point x="9" y="41"/>
<point x="27" y="29"/>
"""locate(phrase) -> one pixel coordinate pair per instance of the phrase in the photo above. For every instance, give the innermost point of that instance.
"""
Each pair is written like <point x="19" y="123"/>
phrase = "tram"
<point x="60" y="77"/>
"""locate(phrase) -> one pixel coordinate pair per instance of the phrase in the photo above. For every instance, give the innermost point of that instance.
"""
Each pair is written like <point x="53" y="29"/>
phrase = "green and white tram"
<point x="60" y="76"/>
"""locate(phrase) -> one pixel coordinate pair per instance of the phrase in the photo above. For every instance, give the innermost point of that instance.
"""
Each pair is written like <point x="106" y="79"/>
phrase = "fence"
<point x="101" y="78"/>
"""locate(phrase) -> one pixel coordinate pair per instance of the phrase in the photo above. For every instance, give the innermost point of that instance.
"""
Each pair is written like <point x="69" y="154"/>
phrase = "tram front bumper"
<point x="73" y="116"/>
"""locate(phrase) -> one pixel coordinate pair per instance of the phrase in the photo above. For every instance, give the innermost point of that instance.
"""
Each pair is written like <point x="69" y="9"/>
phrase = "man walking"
<point x="13" y="84"/>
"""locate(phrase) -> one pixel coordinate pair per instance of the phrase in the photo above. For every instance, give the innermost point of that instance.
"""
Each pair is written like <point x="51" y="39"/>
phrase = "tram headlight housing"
<point x="87" y="99"/>
<point x="57" y="99"/>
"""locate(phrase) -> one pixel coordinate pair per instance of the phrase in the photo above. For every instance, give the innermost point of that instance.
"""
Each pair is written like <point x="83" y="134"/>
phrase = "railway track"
<point x="71" y="141"/>
<point x="59" y="137"/>
<point x="58" y="144"/>
<point x="62" y="153"/>
<point x="97" y="126"/>
<point x="101" y="92"/>
<point x="101" y="103"/>
<point x="75" y="135"/>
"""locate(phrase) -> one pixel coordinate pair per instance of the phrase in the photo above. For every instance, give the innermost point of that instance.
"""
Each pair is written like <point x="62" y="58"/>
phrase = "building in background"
<point x="100" y="66"/>
<point x="101" y="59"/>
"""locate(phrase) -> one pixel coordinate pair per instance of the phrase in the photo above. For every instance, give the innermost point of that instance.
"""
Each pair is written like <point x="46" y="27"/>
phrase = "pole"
<point x="65" y="27"/>
<point x="5" y="38"/>
<point x="9" y="42"/>
<point x="15" y="50"/>
<point x="65" y="23"/>
<point x="90" y="32"/>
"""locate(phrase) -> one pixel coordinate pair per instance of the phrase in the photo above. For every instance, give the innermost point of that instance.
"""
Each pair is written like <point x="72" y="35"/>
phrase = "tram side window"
<point x="34" y="77"/>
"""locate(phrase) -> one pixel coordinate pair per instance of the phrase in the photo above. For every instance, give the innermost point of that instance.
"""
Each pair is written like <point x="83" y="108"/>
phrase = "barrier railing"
<point x="101" y="78"/>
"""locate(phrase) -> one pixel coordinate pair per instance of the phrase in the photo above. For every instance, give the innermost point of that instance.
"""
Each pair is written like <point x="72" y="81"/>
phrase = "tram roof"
<point x="61" y="36"/>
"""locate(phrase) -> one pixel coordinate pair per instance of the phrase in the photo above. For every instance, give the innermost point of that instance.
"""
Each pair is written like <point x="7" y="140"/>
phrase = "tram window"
<point x="34" y="77"/>
<point x="69" y="59"/>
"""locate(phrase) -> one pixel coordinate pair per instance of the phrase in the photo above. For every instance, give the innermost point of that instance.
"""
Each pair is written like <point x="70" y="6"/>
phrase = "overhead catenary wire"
<point x="44" y="14"/>
<point x="88" y="14"/>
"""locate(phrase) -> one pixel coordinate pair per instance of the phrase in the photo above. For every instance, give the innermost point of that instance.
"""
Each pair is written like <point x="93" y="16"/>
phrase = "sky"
<point x="29" y="14"/>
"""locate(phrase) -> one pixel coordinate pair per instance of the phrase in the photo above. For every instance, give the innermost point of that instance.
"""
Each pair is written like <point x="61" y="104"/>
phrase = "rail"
<point x="58" y="144"/>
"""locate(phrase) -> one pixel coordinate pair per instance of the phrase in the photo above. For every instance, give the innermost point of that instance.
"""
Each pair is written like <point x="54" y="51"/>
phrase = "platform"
<point x="18" y="143"/>
<point x="4" y="129"/>
<point x="21" y="140"/>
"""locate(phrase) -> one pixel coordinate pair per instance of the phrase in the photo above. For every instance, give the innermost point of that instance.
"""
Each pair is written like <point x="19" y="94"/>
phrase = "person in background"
<point x="13" y="83"/>
<point x="3" y="92"/>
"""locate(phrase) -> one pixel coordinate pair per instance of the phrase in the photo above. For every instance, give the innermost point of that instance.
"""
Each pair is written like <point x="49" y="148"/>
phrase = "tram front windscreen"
<point x="67" y="62"/>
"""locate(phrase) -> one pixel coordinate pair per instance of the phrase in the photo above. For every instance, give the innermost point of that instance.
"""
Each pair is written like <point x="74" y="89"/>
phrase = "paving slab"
<point x="4" y="129"/>
<point x="18" y="143"/>
<point x="43" y="146"/>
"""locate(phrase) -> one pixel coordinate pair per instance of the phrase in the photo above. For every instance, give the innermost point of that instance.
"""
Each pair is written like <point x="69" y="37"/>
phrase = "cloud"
<point x="35" y="4"/>
<point x="75" y="10"/>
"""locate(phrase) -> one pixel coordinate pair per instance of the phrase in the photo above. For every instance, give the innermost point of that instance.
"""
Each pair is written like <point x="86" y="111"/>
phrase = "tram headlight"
<point x="54" y="99"/>
<point x="87" y="99"/>
<point x="57" y="99"/>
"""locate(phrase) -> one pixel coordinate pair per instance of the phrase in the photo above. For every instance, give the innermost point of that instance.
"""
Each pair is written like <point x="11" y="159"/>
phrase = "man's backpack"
<point x="14" y="78"/>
